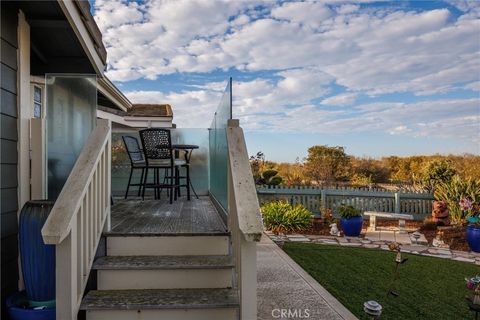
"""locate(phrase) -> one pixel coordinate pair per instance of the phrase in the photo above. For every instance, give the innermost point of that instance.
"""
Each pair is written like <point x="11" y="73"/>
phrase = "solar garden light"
<point x="373" y="309"/>
<point x="416" y="235"/>
<point x="398" y="261"/>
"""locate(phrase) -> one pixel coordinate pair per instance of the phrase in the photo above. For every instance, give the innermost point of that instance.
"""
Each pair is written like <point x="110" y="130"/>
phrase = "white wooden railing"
<point x="244" y="220"/>
<point x="76" y="222"/>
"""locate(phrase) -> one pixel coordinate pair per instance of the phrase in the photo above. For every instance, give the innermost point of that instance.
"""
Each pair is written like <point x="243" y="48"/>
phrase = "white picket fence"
<point x="367" y="199"/>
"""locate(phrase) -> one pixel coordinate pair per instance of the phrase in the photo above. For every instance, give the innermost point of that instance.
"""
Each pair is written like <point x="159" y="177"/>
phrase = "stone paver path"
<point x="382" y="243"/>
<point x="284" y="288"/>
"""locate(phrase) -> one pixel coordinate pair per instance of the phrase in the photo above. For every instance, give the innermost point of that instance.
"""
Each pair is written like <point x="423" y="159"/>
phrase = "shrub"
<point x="429" y="224"/>
<point x="282" y="217"/>
<point x="437" y="171"/>
<point x="347" y="212"/>
<point x="453" y="191"/>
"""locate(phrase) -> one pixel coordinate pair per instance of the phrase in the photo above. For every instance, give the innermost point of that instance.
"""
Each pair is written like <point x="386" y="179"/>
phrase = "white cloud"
<point x="376" y="51"/>
<point x="311" y="14"/>
<point x="475" y="86"/>
<point x="340" y="100"/>
<point x="306" y="47"/>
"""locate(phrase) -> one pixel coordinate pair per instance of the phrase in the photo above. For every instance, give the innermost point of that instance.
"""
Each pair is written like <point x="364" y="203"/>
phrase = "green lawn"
<point x="429" y="288"/>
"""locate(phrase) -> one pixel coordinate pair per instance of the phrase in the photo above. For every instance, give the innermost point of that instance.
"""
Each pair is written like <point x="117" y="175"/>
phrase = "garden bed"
<point x="453" y="236"/>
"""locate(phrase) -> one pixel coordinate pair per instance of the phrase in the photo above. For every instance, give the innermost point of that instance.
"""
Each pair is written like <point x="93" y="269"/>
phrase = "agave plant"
<point x="453" y="191"/>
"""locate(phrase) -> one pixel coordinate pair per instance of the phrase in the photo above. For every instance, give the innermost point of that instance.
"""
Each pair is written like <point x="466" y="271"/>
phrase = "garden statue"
<point x="440" y="213"/>
<point x="334" y="230"/>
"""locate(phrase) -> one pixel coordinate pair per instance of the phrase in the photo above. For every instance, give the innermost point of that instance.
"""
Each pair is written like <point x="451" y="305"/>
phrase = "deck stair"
<point x="164" y="276"/>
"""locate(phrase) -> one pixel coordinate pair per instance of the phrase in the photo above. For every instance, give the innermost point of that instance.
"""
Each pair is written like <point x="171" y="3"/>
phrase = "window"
<point x="37" y="102"/>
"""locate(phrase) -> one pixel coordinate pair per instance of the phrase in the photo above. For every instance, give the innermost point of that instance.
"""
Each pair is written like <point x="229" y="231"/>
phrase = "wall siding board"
<point x="8" y="105"/>
<point x="9" y="153"/>
<point x="9" y="23"/>
<point x="9" y="78"/>
<point x="9" y="157"/>
<point x="9" y="55"/>
<point x="8" y="173"/>
<point x="9" y="275"/>
<point x="9" y="200"/>
<point x="9" y="247"/>
<point x="9" y="224"/>
<point x="9" y="127"/>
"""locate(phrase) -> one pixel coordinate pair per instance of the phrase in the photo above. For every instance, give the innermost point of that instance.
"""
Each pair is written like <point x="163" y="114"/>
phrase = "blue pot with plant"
<point x="351" y="220"/>
<point x="472" y="234"/>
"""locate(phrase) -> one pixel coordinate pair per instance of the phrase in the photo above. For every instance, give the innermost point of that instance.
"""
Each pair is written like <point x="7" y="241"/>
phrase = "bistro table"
<point x="187" y="149"/>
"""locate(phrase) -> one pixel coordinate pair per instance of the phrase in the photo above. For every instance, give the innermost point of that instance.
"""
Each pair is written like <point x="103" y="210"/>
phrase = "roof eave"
<point x="109" y="90"/>
<point x="76" y="20"/>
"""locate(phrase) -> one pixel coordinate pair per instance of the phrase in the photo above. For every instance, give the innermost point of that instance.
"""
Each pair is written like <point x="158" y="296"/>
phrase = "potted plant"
<point x="351" y="220"/>
<point x="472" y="213"/>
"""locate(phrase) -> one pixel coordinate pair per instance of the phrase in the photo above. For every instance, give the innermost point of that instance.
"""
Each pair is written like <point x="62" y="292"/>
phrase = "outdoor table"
<point x="188" y="149"/>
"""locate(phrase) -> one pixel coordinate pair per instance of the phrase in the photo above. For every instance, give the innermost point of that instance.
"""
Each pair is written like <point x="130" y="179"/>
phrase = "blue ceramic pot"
<point x="37" y="258"/>
<point x="352" y="227"/>
<point x="473" y="237"/>
<point x="19" y="308"/>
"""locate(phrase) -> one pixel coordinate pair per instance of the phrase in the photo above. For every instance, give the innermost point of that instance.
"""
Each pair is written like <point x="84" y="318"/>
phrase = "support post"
<point x="323" y="198"/>
<point x="248" y="278"/>
<point x="397" y="202"/>
<point x="66" y="279"/>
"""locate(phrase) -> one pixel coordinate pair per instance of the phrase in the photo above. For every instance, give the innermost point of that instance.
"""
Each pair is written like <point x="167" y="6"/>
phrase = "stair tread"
<point x="166" y="234"/>
<point x="162" y="262"/>
<point x="160" y="299"/>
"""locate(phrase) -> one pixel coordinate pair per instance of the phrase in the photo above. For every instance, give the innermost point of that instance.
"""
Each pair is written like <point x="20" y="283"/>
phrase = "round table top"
<point x="184" y="146"/>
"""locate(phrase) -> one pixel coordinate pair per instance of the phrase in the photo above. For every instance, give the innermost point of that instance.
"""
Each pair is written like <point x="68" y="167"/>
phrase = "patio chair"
<point x="137" y="161"/>
<point x="157" y="148"/>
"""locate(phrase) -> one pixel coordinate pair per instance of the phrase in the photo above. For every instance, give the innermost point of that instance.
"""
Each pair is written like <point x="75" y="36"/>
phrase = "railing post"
<point x="248" y="279"/>
<point x="397" y="202"/>
<point x="66" y="279"/>
<point x="108" y="176"/>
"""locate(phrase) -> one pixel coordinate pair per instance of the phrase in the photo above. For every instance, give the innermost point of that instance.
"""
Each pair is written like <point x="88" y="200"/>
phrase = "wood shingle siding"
<point x="9" y="155"/>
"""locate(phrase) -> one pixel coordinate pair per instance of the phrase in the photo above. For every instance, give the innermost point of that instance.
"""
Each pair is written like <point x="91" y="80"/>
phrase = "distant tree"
<point x="256" y="163"/>
<point x="327" y="164"/>
<point x="270" y="178"/>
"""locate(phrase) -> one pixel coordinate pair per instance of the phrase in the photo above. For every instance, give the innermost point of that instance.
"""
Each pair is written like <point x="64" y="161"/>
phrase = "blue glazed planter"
<point x="19" y="308"/>
<point x="37" y="259"/>
<point x="352" y="227"/>
<point x="473" y="237"/>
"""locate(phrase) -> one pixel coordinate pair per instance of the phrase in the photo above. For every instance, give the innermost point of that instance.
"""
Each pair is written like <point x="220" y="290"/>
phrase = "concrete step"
<point x="186" y="304"/>
<point x="163" y="272"/>
<point x="173" y="245"/>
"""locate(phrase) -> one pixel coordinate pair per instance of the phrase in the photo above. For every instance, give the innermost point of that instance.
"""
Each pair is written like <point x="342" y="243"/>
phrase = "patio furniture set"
<point x="157" y="153"/>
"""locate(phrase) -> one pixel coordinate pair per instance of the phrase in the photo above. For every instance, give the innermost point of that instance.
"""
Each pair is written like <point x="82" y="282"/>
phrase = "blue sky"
<point x="380" y="78"/>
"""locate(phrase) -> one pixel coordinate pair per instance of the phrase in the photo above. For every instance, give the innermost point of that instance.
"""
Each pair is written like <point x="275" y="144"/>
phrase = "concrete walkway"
<point x="286" y="291"/>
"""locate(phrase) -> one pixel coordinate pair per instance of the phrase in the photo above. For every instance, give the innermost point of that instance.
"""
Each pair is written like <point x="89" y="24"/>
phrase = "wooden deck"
<point x="137" y="217"/>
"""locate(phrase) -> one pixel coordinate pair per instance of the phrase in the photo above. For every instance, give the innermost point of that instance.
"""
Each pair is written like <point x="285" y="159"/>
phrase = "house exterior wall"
<point x="9" y="154"/>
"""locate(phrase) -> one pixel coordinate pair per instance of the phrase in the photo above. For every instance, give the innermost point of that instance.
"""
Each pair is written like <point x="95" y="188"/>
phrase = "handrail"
<point x="244" y="192"/>
<point x="78" y="218"/>
<point x="59" y="222"/>
<point x="244" y="220"/>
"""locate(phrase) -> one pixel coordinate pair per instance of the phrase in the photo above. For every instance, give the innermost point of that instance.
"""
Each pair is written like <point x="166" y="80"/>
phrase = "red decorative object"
<point x="440" y="213"/>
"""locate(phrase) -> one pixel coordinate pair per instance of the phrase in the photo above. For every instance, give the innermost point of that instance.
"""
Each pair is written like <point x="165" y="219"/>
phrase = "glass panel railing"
<point x="219" y="148"/>
<point x="71" y="102"/>
<point x="198" y="160"/>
